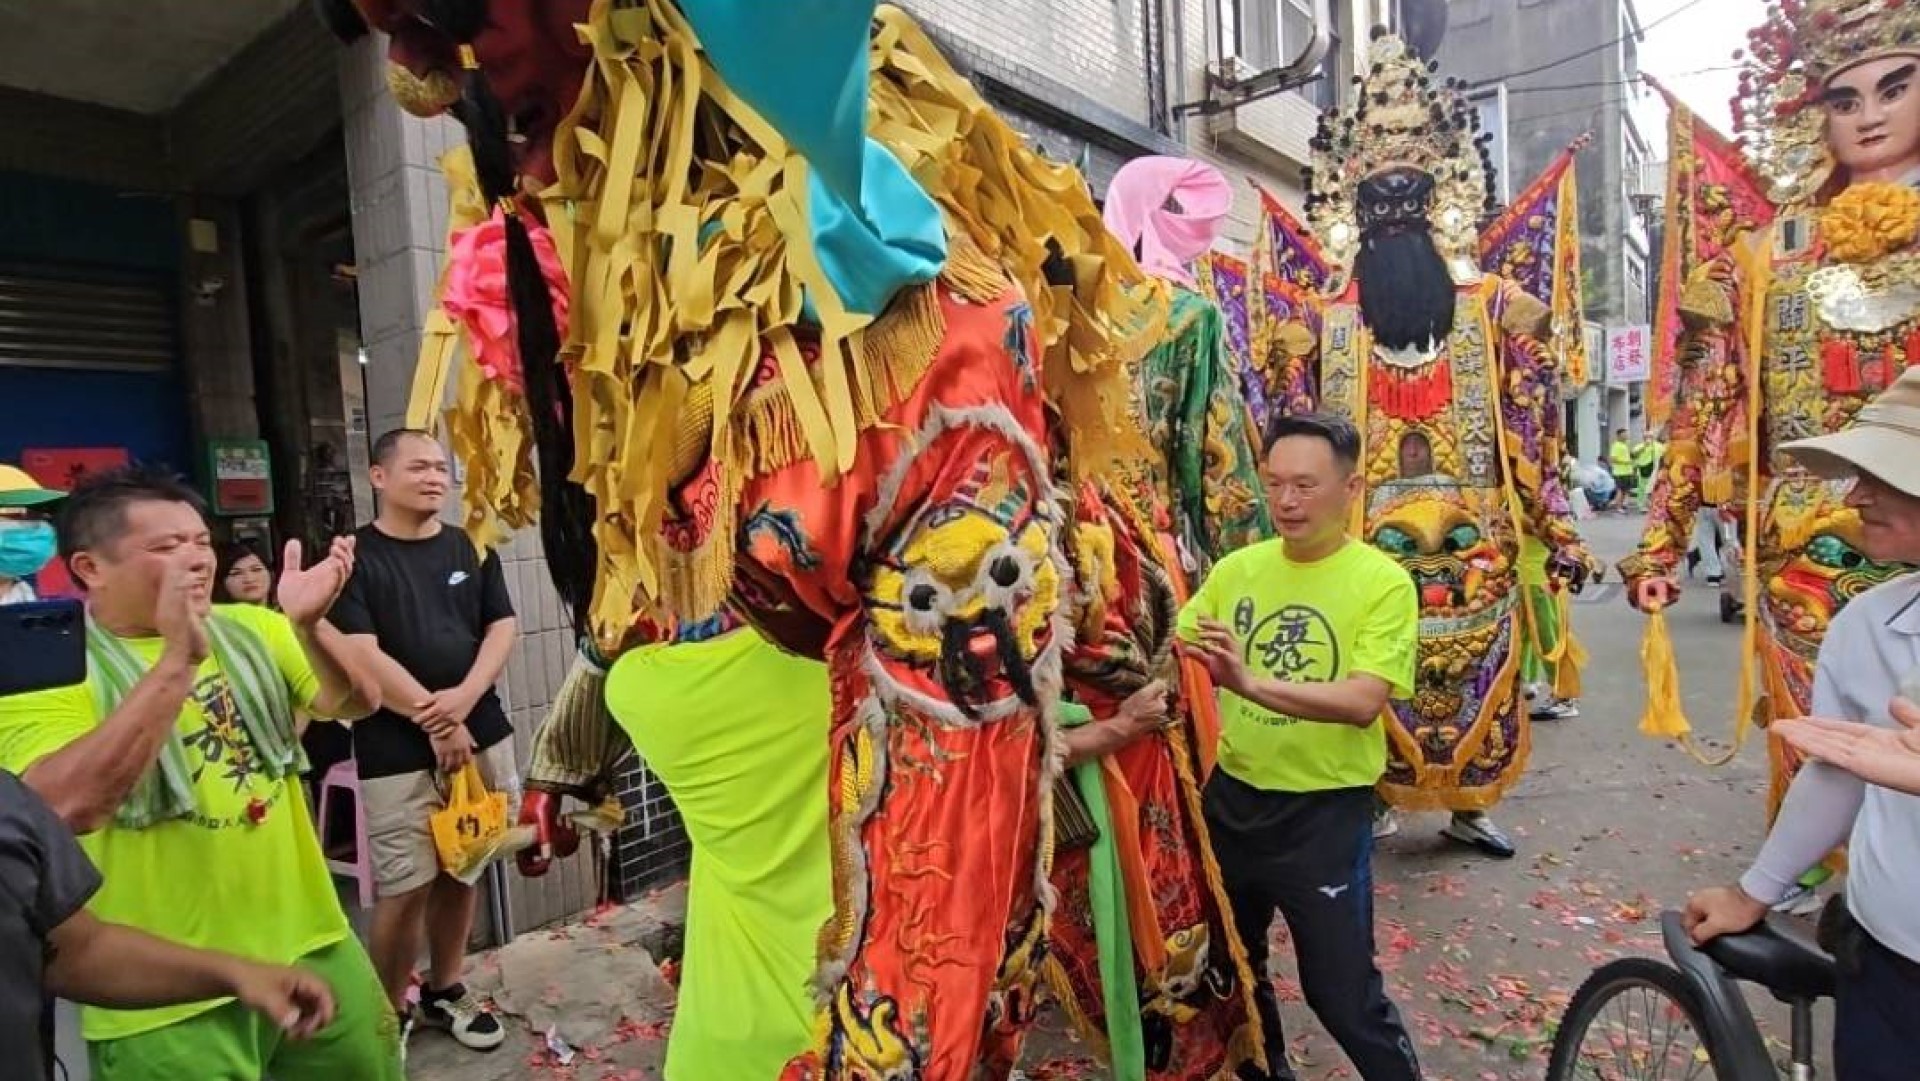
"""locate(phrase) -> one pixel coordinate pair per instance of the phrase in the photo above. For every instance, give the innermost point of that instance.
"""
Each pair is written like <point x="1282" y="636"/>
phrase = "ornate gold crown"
<point x="1401" y="119"/>
<point x="1787" y="64"/>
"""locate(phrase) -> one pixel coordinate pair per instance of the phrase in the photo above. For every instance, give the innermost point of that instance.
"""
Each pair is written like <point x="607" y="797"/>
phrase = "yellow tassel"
<point x="1566" y="676"/>
<point x="972" y="273"/>
<point x="1663" y="717"/>
<point x="1716" y="487"/>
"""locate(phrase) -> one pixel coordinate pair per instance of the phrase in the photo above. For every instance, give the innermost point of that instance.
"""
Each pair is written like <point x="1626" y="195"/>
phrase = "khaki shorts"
<point x="399" y="810"/>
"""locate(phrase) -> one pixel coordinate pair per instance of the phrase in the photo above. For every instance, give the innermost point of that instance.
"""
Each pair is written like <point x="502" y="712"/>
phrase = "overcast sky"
<point x="1680" y="51"/>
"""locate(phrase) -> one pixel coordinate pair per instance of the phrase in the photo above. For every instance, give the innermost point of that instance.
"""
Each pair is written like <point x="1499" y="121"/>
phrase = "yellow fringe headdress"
<point x="680" y="216"/>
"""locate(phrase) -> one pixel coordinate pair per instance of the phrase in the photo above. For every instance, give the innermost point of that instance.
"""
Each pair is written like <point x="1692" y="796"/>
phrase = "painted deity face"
<point x="1873" y="118"/>
<point x="961" y="599"/>
<point x="1454" y="563"/>
<point x="1837" y="561"/>
<point x="530" y="54"/>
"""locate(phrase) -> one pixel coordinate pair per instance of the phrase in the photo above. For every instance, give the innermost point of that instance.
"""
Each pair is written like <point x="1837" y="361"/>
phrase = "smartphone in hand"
<point x="43" y="645"/>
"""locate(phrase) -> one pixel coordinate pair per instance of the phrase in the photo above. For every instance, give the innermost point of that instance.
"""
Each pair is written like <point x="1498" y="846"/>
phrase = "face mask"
<point x="25" y="547"/>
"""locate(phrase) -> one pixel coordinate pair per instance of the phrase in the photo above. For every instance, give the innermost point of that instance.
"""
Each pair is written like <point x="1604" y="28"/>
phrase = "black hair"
<point x="230" y="555"/>
<point x="566" y="510"/>
<point x="1338" y="431"/>
<point x="95" y="512"/>
<point x="341" y="19"/>
<point x="389" y="442"/>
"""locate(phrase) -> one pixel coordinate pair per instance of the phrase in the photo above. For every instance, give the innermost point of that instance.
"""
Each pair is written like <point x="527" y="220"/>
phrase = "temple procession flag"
<point x="1535" y="243"/>
<point x="1713" y="198"/>
<point x="1224" y="280"/>
<point x="1283" y="248"/>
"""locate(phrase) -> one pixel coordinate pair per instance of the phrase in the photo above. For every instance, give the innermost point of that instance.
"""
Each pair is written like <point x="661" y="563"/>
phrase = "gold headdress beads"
<point x="1789" y="59"/>
<point x="1401" y="119"/>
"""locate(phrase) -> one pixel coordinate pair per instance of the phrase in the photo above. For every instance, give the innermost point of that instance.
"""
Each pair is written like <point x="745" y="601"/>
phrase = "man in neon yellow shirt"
<point x="1308" y="636"/>
<point x="749" y="779"/>
<point x="177" y="762"/>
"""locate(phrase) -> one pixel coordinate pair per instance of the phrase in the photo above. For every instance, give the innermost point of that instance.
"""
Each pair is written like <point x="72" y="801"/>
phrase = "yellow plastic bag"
<point x="470" y="830"/>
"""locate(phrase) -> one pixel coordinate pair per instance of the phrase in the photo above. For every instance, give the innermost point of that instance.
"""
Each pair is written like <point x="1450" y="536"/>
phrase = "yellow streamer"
<point x="1663" y="718"/>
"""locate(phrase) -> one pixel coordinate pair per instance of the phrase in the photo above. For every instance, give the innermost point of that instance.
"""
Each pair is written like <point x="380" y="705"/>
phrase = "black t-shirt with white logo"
<point x="428" y="603"/>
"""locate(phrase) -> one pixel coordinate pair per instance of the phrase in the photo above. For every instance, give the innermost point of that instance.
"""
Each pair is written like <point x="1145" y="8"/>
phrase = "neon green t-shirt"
<point x="218" y="880"/>
<point x="739" y="731"/>
<point x="1353" y="611"/>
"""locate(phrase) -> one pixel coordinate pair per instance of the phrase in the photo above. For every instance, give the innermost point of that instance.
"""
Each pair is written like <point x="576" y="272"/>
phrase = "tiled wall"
<point x="399" y="232"/>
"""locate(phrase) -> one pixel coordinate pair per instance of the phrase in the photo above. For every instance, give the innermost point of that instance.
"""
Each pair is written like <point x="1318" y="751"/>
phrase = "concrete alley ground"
<point x="1481" y="956"/>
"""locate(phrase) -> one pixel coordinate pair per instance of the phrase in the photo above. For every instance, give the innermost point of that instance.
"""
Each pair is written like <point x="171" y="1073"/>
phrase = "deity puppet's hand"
<point x="554" y="837"/>
<point x="1572" y="566"/>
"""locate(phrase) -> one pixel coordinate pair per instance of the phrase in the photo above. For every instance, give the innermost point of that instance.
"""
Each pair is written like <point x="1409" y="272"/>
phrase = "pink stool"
<point x="345" y="776"/>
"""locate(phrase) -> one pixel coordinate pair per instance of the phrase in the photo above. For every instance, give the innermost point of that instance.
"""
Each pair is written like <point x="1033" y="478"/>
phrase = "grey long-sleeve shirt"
<point x="1872" y="650"/>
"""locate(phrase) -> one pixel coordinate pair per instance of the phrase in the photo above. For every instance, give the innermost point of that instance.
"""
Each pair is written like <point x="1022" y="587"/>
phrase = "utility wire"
<point x="1589" y="51"/>
<point x="1604" y="83"/>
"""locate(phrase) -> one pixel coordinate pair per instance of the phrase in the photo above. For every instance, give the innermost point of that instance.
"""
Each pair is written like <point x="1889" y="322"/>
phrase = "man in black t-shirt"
<point x="50" y="945"/>
<point x="434" y="622"/>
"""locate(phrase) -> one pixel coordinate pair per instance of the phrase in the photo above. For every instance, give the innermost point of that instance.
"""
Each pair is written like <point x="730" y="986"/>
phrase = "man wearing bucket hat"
<point x="1870" y="657"/>
<point x="27" y="540"/>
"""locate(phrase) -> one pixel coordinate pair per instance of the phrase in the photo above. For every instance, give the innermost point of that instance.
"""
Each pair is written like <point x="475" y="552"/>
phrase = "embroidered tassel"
<point x="1663" y="717"/>
<point x="1408" y="396"/>
<point x="1716" y="487"/>
<point x="1873" y="368"/>
<point x="1841" y="362"/>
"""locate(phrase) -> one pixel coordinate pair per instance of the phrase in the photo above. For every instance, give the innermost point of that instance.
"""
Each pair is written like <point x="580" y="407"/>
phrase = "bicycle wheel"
<point x="1635" y="1019"/>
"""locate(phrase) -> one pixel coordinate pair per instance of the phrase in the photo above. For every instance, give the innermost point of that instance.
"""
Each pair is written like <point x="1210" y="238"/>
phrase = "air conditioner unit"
<point x="1651" y="183"/>
<point x="1233" y="69"/>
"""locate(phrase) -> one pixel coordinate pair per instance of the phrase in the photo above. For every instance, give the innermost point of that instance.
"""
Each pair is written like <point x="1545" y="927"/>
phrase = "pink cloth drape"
<point x="1168" y="240"/>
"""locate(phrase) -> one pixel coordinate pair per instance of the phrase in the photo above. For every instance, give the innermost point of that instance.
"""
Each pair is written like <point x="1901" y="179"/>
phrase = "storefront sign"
<point x="1629" y="353"/>
<point x="61" y="469"/>
<point x="242" y="475"/>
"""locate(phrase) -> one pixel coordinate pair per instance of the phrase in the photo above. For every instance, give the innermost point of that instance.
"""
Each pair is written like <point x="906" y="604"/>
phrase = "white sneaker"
<point x="464" y="1017"/>
<point x="1556" y="709"/>
<point x="1385" y="824"/>
<point x="1474" y="828"/>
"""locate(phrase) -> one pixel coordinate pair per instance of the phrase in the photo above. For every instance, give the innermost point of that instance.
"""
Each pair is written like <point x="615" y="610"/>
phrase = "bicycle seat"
<point x="1779" y="960"/>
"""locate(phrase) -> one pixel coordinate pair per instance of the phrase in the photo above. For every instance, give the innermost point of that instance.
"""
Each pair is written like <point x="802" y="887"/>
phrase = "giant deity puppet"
<point x="1145" y="960"/>
<point x="793" y="325"/>
<point x="1445" y="371"/>
<point x="1795" y="298"/>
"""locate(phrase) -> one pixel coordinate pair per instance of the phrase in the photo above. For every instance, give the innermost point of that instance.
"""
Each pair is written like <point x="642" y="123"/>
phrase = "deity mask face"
<point x="1873" y="118"/>
<point x="1406" y="289"/>
<point x="530" y="54"/>
<point x="1397" y="198"/>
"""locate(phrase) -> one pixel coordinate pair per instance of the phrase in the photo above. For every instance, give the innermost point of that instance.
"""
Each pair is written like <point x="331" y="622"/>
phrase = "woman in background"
<point x="243" y="576"/>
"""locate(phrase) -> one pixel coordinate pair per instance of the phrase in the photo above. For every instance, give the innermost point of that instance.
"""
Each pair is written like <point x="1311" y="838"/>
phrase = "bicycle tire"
<point x="1602" y="986"/>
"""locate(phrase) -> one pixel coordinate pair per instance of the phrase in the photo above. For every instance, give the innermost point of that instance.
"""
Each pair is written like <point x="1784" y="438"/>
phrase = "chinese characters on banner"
<point x="1629" y="353"/>
<point x="61" y="470"/>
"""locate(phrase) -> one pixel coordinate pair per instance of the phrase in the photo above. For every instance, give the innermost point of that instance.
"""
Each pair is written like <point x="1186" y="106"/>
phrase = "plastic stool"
<point x="345" y="776"/>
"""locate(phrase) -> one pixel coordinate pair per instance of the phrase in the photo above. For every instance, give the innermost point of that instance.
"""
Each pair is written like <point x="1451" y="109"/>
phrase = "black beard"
<point x="1406" y="291"/>
<point x="960" y="672"/>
